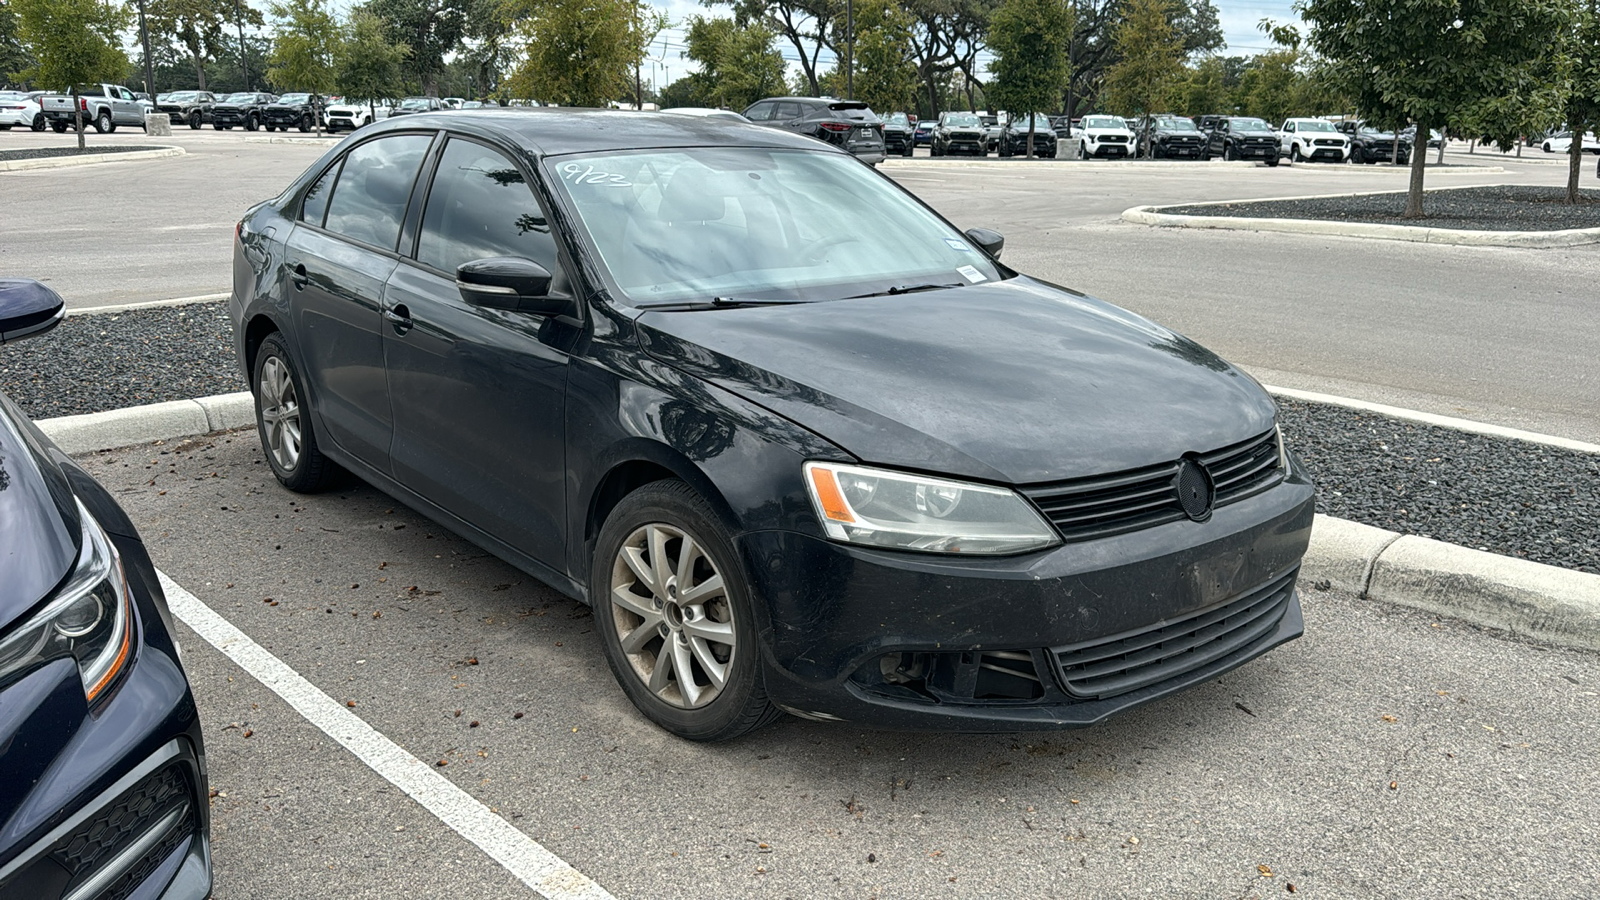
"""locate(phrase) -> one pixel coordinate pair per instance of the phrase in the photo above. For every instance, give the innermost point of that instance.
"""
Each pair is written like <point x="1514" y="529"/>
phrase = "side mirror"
<point x="510" y="283"/>
<point x="991" y="242"/>
<point x="28" y="308"/>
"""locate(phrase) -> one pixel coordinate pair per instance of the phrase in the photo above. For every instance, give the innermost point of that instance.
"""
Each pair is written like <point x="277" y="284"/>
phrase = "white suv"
<point x="1104" y="136"/>
<point x="1311" y="140"/>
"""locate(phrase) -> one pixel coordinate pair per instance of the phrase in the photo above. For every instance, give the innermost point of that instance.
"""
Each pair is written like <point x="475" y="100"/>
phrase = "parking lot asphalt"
<point x="1505" y="336"/>
<point x="1387" y="753"/>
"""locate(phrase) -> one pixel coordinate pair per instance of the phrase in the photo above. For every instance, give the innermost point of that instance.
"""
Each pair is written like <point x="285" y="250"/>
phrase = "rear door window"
<point x="315" y="206"/>
<point x="787" y="111"/>
<point x="481" y="206"/>
<point x="374" y="186"/>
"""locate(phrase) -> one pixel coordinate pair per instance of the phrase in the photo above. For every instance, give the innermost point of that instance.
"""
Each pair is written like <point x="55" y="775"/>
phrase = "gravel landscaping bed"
<point x="99" y="362"/>
<point x="1491" y="208"/>
<point x="48" y="152"/>
<point x="1508" y="497"/>
<point x="1505" y="496"/>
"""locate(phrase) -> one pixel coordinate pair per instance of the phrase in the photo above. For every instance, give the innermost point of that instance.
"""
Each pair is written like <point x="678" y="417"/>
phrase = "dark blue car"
<point x="102" y="770"/>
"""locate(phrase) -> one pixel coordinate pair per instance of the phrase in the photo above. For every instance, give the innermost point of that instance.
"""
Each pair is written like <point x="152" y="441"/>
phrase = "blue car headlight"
<point x="88" y="619"/>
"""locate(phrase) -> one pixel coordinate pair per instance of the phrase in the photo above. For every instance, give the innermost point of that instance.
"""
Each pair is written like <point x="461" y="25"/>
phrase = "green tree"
<point x="431" y="30"/>
<point x="368" y="62"/>
<point x="1432" y="61"/>
<point x="578" y="52"/>
<point x="1150" y="52"/>
<point x="885" y="77"/>
<point x="1030" y="40"/>
<point x="72" y="42"/>
<point x="739" y="63"/>
<point x="304" y="55"/>
<point x="1205" y="89"/>
<point x="14" y="56"/>
<point x="203" y="28"/>
<point x="1581" y="103"/>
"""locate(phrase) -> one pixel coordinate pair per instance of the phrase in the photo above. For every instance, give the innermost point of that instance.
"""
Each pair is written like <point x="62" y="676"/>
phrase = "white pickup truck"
<point x="105" y="106"/>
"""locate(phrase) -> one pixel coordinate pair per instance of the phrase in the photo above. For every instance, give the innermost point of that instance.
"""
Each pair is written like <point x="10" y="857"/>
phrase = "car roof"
<point x="551" y="131"/>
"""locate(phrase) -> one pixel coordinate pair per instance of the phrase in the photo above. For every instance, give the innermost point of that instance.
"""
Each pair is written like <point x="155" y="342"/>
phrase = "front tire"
<point x="284" y="422"/>
<point x="673" y="609"/>
<point x="195" y="120"/>
<point x="38" y="122"/>
<point x="1294" y="153"/>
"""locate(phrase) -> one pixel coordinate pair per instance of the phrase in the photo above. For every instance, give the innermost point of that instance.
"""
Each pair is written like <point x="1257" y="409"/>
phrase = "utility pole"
<point x="849" y="49"/>
<point x="1072" y="64"/>
<point x="149" y="67"/>
<point x="244" y="52"/>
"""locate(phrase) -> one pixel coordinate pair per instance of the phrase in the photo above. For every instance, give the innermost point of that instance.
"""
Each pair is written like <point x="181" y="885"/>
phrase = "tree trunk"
<point x="1031" y="125"/>
<point x="77" y="113"/>
<point x="1394" y="153"/>
<point x="1419" y="163"/>
<point x="1575" y="159"/>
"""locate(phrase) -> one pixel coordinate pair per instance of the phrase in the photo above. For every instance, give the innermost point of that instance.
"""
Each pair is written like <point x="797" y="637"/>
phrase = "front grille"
<point x="1124" y="663"/>
<point x="1327" y="142"/>
<point x="1114" y="139"/>
<point x="1087" y="508"/>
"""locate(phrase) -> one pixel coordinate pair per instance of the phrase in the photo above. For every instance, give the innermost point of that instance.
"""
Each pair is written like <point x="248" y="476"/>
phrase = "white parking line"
<point x="1426" y="418"/>
<point x="521" y="855"/>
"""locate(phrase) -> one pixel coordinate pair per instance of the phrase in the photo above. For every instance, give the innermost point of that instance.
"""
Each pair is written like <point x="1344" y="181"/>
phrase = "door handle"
<point x="400" y="318"/>
<point x="299" y="277"/>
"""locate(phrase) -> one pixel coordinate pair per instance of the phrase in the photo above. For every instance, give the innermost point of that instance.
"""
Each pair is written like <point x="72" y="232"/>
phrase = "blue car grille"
<point x="1117" y="665"/>
<point x="1087" y="508"/>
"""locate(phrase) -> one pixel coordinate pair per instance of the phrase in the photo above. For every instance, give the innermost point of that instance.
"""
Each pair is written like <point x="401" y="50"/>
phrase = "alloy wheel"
<point x="280" y="413"/>
<point x="672" y="615"/>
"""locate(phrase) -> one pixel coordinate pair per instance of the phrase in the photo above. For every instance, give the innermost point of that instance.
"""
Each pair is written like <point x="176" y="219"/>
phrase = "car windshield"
<point x="239" y="98"/>
<point x="182" y="95"/>
<point x="1177" y="123"/>
<point x="414" y="103"/>
<point x="1315" y="125"/>
<point x="1041" y="123"/>
<point x="898" y="119"/>
<point x="1102" y="122"/>
<point x="752" y="223"/>
<point x="961" y="119"/>
<point x="1250" y="125"/>
<point x="292" y="99"/>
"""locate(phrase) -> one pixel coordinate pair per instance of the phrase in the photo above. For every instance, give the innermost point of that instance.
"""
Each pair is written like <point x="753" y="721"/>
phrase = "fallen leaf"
<point x="1390" y="719"/>
<point x="350" y="703"/>
<point x="442" y="763"/>
<point x="1265" y="870"/>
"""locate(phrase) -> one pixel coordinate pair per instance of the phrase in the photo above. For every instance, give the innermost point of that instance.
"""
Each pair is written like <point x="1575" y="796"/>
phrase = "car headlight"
<point x="88" y="619"/>
<point x="883" y="508"/>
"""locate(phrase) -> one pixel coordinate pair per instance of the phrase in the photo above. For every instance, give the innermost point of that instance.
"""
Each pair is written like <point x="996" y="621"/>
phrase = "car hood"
<point x="1013" y="382"/>
<point x="1098" y="133"/>
<point x="38" y="519"/>
<point x="1253" y="133"/>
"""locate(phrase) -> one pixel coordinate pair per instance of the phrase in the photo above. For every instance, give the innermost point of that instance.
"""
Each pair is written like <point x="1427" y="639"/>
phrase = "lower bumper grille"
<point x="1118" y="665"/>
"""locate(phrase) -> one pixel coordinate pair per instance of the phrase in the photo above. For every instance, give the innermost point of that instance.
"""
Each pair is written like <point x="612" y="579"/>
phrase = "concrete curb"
<point x="130" y="307"/>
<point x="1149" y="215"/>
<point x="1545" y="603"/>
<point x="88" y="159"/>
<point x="308" y="139"/>
<point x="155" y="422"/>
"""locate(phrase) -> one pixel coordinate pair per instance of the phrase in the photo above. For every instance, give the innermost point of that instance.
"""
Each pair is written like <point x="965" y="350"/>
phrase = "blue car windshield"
<point x="743" y="222"/>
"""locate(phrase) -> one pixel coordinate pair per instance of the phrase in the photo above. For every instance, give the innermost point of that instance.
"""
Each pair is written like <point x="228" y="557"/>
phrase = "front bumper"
<point x="230" y="116"/>
<point x="112" y="801"/>
<point x="1182" y="150"/>
<point x="919" y="642"/>
<point x="1108" y="149"/>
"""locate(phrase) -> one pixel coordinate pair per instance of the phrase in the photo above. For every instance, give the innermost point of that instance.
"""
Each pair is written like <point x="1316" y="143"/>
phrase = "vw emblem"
<point x="1196" y="492"/>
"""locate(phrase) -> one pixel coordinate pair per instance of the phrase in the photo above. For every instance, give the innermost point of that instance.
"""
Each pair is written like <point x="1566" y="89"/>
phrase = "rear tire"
<point x="103" y="123"/>
<point x="674" y="612"/>
<point x="305" y="124"/>
<point x="38" y="122"/>
<point x="58" y="127"/>
<point x="283" y="421"/>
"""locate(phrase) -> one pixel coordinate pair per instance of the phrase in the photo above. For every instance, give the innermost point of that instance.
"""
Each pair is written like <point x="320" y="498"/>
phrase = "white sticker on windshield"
<point x="956" y="245"/>
<point x="971" y="274"/>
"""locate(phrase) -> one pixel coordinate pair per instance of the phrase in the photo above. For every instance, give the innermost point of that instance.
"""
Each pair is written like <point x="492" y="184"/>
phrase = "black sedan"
<point x="103" y="791"/>
<point x="801" y="443"/>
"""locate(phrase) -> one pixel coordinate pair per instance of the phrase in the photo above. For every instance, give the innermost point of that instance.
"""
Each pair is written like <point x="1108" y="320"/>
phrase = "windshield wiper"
<point x="717" y="303"/>
<point x="906" y="289"/>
